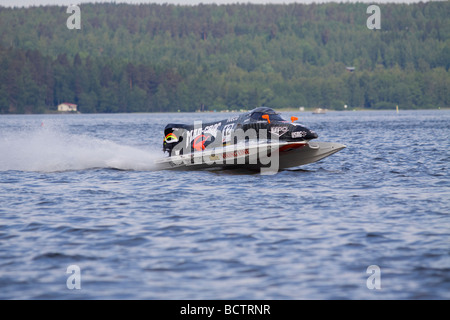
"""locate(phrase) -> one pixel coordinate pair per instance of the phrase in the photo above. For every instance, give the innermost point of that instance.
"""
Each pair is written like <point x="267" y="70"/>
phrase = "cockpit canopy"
<point x="256" y="114"/>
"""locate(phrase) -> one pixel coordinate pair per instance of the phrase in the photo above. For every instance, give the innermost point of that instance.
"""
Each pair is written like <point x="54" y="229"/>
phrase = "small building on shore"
<point x="67" y="107"/>
<point x="350" y="69"/>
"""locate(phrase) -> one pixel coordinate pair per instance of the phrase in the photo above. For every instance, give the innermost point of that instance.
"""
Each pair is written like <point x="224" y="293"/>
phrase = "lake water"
<point x="309" y="233"/>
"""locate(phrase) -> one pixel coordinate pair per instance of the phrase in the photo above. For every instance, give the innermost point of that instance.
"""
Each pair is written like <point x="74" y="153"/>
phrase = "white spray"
<point x="50" y="149"/>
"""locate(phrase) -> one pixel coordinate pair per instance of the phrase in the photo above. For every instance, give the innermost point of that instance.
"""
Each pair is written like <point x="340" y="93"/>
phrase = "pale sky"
<point x="26" y="3"/>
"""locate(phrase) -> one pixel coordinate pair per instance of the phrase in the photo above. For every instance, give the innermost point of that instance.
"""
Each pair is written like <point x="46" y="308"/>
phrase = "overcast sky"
<point x="21" y="3"/>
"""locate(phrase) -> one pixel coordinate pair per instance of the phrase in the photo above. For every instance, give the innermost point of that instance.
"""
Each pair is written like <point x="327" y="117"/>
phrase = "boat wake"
<point x="49" y="149"/>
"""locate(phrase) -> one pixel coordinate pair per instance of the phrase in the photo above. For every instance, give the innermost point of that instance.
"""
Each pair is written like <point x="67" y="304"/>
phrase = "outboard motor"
<point x="173" y="135"/>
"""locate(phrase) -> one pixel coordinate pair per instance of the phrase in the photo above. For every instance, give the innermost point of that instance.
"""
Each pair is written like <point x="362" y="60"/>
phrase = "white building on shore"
<point x="67" y="107"/>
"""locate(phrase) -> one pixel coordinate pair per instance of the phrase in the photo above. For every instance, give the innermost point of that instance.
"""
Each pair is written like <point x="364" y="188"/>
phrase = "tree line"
<point x="144" y="58"/>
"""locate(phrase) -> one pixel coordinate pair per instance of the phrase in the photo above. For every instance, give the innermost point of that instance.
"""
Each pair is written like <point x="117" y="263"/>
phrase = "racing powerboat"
<point x="258" y="139"/>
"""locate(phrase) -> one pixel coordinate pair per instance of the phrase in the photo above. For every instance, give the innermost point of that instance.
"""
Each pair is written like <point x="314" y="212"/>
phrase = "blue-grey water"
<point x="309" y="233"/>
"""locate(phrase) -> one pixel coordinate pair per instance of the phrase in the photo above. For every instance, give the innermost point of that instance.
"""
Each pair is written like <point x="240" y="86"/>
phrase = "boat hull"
<point x="269" y="157"/>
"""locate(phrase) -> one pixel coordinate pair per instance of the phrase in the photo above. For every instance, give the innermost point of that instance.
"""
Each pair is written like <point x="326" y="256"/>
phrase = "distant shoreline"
<point x="307" y="110"/>
<point x="149" y="57"/>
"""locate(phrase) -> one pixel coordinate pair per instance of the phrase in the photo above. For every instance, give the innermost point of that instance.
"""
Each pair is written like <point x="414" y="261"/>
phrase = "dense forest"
<point x="143" y="58"/>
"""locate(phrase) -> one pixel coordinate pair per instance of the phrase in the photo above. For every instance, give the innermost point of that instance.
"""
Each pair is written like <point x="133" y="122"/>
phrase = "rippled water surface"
<point x="309" y="233"/>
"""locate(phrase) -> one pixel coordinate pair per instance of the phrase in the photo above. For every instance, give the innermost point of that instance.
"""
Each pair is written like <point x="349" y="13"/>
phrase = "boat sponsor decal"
<point x="226" y="132"/>
<point x="191" y="134"/>
<point x="171" y="137"/>
<point x="212" y="129"/>
<point x="234" y="154"/>
<point x="298" y="134"/>
<point x="199" y="142"/>
<point x="214" y="157"/>
<point x="279" y="131"/>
